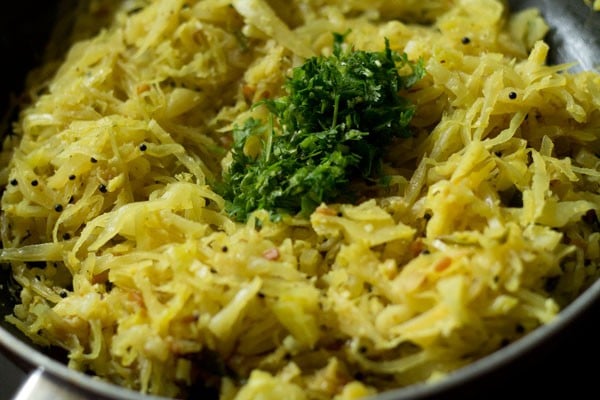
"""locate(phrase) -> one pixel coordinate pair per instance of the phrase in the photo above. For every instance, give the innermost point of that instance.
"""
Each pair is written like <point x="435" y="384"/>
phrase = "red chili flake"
<point x="443" y="264"/>
<point x="271" y="254"/>
<point x="324" y="210"/>
<point x="248" y="92"/>
<point x="144" y="87"/>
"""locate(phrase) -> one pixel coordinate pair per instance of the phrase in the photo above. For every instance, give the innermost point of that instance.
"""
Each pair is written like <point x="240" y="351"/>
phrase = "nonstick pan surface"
<point x="561" y="357"/>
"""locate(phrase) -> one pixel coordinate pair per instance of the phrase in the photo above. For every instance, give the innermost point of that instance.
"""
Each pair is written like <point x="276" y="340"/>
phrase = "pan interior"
<point x="573" y="35"/>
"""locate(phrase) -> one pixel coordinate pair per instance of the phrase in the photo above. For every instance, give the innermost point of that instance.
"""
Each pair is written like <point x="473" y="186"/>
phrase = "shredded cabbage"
<point x="125" y="258"/>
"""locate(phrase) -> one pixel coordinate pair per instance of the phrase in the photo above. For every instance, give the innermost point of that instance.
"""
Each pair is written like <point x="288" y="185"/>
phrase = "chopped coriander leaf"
<point x="332" y="127"/>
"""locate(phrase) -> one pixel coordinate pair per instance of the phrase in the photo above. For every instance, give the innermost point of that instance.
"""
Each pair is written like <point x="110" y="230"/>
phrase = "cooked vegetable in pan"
<point x="316" y="199"/>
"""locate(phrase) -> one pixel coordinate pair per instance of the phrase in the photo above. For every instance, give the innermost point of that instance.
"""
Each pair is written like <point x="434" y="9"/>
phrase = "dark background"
<point x="567" y="365"/>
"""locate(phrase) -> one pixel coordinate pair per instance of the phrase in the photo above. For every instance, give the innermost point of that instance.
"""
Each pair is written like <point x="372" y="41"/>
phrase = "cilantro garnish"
<point x="332" y="127"/>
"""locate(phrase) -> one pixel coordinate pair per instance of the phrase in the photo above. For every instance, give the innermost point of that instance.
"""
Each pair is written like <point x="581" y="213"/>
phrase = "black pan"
<point x="561" y="357"/>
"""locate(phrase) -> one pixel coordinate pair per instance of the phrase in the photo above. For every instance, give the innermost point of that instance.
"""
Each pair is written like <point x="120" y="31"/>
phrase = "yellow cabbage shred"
<point x="126" y="259"/>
